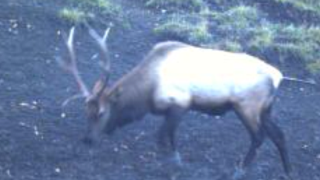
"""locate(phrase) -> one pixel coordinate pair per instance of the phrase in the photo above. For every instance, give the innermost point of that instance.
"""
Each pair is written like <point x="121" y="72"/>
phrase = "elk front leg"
<point x="167" y="131"/>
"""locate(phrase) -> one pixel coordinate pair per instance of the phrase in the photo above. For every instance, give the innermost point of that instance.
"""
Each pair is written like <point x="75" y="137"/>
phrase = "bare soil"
<point x="40" y="140"/>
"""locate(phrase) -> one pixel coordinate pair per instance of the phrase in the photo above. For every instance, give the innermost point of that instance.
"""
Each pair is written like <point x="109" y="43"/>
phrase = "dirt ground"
<point x="39" y="140"/>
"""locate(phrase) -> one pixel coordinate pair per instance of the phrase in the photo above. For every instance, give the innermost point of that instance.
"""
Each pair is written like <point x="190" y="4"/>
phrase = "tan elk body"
<point x="175" y="78"/>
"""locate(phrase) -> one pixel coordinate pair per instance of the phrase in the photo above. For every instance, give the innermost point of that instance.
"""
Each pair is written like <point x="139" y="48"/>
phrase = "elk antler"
<point x="102" y="42"/>
<point x="71" y="67"/>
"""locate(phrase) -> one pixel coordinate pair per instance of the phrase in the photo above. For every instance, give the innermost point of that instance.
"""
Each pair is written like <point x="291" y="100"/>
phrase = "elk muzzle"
<point x="96" y="126"/>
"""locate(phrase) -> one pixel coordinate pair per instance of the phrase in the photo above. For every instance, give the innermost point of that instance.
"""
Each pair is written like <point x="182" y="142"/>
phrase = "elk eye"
<point x="114" y="98"/>
<point x="100" y="115"/>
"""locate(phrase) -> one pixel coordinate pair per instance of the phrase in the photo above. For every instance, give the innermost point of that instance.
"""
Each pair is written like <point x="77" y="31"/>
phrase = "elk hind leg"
<point x="277" y="137"/>
<point x="250" y="117"/>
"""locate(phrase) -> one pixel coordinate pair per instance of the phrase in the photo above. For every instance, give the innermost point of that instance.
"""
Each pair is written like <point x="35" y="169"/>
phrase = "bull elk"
<point x="175" y="78"/>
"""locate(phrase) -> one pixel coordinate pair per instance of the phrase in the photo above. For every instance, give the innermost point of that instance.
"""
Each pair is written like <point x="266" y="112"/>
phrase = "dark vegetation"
<point x="41" y="140"/>
<point x="281" y="28"/>
<point x="287" y="29"/>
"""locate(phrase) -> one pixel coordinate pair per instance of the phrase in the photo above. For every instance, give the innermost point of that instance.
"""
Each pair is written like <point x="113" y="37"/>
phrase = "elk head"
<point x="97" y="110"/>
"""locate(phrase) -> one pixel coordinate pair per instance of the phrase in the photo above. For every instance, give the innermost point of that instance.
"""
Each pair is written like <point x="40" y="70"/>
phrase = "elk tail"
<point x="311" y="82"/>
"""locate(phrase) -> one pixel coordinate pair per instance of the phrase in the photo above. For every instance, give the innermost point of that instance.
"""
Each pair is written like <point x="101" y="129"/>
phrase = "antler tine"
<point x="106" y="34"/>
<point x="71" y="66"/>
<point x="74" y="97"/>
<point x="102" y="42"/>
<point x="69" y="44"/>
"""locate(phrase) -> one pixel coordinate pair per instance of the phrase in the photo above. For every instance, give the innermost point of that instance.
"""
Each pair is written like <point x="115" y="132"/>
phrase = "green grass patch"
<point x="73" y="15"/>
<point x="84" y="10"/>
<point x="192" y="30"/>
<point x="246" y="28"/>
<point x="304" y="5"/>
<point x="262" y="38"/>
<point x="194" y="5"/>
<point x="228" y="45"/>
<point x="236" y="24"/>
<point x="300" y="42"/>
<point x="105" y="7"/>
<point x="314" y="67"/>
<point x="94" y="3"/>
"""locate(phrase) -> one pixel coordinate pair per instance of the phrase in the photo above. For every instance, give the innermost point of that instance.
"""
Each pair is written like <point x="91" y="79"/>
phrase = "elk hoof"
<point x="238" y="174"/>
<point x="175" y="157"/>
<point x="286" y="177"/>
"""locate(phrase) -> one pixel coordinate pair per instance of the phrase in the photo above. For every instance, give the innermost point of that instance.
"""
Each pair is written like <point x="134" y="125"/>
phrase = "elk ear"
<point x="98" y="87"/>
